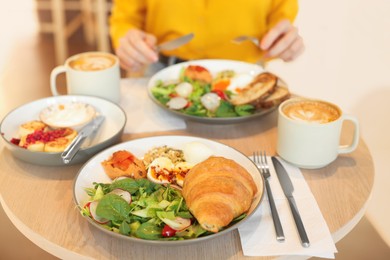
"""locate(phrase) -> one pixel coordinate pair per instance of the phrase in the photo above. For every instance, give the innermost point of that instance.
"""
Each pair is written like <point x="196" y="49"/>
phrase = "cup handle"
<point x="53" y="76"/>
<point x="356" y="134"/>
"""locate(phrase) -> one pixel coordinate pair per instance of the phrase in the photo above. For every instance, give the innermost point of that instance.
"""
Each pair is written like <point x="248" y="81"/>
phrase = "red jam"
<point x="15" y="141"/>
<point x="45" y="137"/>
<point x="42" y="136"/>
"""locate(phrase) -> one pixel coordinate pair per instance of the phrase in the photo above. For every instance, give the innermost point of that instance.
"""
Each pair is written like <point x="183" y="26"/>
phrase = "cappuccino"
<point x="311" y="111"/>
<point x="92" y="62"/>
<point x="90" y="73"/>
<point x="309" y="132"/>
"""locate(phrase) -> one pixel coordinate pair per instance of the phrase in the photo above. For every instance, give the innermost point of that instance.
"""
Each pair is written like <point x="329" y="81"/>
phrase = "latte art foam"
<point x="311" y="112"/>
<point x="92" y="62"/>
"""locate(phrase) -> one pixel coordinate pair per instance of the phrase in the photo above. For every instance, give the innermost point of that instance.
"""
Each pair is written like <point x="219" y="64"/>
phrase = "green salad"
<point x="198" y="98"/>
<point x="143" y="209"/>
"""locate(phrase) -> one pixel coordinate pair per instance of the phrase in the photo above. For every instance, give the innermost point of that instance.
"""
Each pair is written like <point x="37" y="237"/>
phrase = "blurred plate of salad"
<point x="205" y="100"/>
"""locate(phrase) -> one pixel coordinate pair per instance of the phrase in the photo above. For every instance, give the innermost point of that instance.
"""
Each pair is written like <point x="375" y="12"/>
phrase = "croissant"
<point x="218" y="190"/>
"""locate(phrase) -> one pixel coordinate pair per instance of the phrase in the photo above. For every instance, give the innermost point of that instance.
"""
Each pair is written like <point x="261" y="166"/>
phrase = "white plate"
<point x="172" y="73"/>
<point x="108" y="134"/>
<point x="92" y="171"/>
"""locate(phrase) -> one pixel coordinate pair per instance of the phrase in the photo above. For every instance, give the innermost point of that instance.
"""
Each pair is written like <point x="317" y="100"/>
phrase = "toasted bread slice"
<point x="280" y="94"/>
<point x="262" y="86"/>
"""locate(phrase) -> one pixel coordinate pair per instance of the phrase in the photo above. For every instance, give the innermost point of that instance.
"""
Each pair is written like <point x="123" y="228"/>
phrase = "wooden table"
<point x="39" y="200"/>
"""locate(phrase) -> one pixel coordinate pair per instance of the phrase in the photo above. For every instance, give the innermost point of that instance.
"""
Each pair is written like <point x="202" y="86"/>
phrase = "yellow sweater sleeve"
<point x="282" y="9"/>
<point x="125" y="15"/>
<point x="214" y="22"/>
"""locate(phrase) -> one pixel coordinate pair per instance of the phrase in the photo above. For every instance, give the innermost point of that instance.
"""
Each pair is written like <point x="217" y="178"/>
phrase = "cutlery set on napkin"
<point x="306" y="232"/>
<point x="288" y="190"/>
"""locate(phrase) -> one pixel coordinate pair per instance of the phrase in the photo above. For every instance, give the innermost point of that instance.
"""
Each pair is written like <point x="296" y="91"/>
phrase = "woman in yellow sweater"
<point x="137" y="26"/>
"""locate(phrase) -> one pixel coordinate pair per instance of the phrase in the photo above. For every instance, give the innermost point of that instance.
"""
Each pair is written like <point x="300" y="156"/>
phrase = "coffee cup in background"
<point x="90" y="73"/>
<point x="309" y="132"/>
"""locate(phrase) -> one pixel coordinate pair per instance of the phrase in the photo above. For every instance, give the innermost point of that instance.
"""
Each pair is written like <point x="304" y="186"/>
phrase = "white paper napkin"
<point x="142" y="114"/>
<point x="258" y="235"/>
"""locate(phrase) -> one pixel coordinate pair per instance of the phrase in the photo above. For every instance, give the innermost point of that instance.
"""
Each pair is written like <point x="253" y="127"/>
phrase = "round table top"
<point x="39" y="199"/>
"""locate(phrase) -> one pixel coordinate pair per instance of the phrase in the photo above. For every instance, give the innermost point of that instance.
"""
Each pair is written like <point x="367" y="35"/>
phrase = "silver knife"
<point x="288" y="190"/>
<point x="175" y="43"/>
<point x="75" y="145"/>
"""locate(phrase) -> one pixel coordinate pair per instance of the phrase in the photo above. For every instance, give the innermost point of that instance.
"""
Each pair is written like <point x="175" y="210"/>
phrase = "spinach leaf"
<point x="133" y="186"/>
<point x="124" y="228"/>
<point x="244" y="110"/>
<point x="113" y="207"/>
<point x="149" y="231"/>
<point x="196" y="109"/>
<point x="225" y="109"/>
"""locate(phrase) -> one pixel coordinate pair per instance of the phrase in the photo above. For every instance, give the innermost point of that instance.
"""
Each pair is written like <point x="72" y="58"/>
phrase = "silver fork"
<point x="255" y="41"/>
<point x="243" y="38"/>
<point x="260" y="159"/>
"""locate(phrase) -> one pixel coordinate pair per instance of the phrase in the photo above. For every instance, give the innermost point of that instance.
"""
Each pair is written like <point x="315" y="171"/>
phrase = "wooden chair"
<point x="91" y="14"/>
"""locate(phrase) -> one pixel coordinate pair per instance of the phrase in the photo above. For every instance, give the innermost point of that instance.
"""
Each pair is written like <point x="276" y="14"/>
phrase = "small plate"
<point x="108" y="134"/>
<point x="172" y="73"/>
<point x="92" y="172"/>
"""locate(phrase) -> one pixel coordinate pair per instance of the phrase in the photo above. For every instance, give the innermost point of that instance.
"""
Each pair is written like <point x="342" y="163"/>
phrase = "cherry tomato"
<point x="188" y="104"/>
<point x="220" y="93"/>
<point x="197" y="68"/>
<point x="168" y="231"/>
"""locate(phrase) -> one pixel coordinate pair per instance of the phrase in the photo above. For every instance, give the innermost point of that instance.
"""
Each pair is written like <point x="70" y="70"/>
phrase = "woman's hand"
<point x="136" y="50"/>
<point x="282" y="41"/>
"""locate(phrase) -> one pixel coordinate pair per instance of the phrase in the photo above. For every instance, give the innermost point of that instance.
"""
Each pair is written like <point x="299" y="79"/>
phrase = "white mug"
<point x="90" y="73"/>
<point x="309" y="132"/>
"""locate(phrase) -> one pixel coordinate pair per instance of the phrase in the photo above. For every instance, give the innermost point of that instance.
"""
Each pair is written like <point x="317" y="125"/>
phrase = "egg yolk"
<point x="222" y="84"/>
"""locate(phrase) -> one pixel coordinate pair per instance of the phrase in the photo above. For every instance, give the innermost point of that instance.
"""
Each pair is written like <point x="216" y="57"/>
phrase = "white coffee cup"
<point x="309" y="132"/>
<point x="90" y="73"/>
